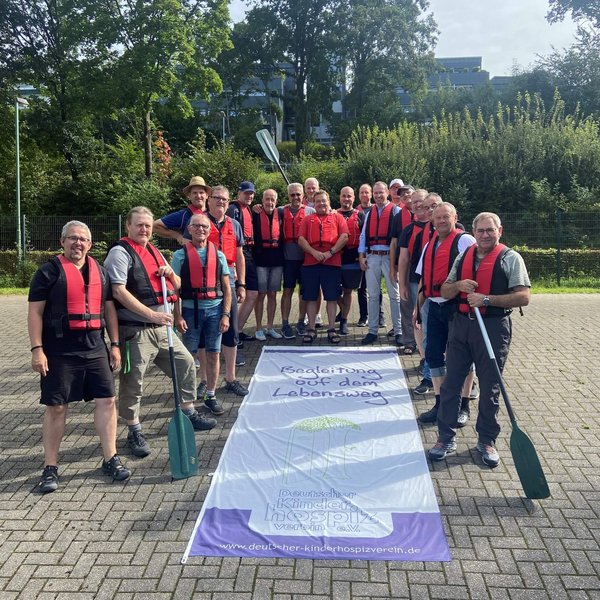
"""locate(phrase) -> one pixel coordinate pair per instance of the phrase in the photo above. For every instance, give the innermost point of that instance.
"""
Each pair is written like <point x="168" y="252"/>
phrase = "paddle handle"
<point x="163" y="283"/>
<point x="488" y="345"/>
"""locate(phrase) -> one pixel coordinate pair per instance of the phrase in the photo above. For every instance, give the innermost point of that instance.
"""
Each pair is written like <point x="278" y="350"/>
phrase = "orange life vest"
<point x="246" y="223"/>
<point x="489" y="275"/>
<point x="437" y="262"/>
<point x="198" y="281"/>
<point x="322" y="232"/>
<point x="420" y="235"/>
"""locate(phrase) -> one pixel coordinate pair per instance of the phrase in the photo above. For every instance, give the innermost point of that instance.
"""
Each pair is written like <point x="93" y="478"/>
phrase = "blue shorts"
<point x="321" y="277"/>
<point x="351" y="278"/>
<point x="208" y="328"/>
<point x="292" y="273"/>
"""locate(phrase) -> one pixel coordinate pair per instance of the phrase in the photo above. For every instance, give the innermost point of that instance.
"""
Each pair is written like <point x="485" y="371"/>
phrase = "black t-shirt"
<point x="267" y="257"/>
<point x="73" y="342"/>
<point x="403" y="242"/>
<point x="350" y="255"/>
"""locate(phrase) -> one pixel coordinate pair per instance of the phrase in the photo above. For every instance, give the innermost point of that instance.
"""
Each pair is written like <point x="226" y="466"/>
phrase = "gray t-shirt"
<point x="512" y="264"/>
<point x="291" y="250"/>
<point x="117" y="265"/>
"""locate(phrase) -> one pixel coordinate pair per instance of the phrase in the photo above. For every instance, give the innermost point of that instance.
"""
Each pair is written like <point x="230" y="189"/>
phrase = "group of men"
<point x="234" y="252"/>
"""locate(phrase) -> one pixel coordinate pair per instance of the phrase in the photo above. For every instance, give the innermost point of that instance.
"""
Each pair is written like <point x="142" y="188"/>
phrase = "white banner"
<point x="325" y="461"/>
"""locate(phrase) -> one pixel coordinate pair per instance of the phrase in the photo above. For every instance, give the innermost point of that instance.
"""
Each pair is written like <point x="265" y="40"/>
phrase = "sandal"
<point x="333" y="337"/>
<point x="409" y="350"/>
<point x="309" y="337"/>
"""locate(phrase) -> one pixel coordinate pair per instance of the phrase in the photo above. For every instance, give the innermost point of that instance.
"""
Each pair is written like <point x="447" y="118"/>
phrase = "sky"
<point x="504" y="33"/>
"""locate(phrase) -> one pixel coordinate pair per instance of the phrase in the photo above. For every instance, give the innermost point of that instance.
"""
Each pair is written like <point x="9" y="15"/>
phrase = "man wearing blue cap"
<point x="239" y="210"/>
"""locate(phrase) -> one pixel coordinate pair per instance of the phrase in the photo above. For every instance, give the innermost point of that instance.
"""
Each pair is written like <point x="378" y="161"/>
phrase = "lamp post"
<point x="19" y="104"/>
<point x="222" y="115"/>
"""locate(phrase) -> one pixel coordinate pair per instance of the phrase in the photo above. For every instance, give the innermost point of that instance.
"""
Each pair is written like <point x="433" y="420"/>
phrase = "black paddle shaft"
<point x="488" y="345"/>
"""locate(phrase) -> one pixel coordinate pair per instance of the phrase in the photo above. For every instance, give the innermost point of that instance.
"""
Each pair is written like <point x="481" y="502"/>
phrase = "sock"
<point x="437" y="399"/>
<point x="136" y="427"/>
<point x="210" y="394"/>
<point x="464" y="403"/>
<point x="285" y="322"/>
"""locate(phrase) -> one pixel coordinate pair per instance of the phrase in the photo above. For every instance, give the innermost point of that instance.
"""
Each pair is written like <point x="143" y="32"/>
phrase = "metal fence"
<point x="563" y="232"/>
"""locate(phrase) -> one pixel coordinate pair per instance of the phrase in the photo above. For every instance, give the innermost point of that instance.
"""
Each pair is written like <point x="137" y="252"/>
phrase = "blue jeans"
<point x="208" y="328"/>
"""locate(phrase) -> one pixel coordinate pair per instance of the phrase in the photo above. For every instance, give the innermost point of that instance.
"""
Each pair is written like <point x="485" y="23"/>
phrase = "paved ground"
<point x="95" y="539"/>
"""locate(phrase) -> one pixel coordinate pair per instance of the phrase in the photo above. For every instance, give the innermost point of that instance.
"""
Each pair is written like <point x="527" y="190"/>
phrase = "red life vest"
<point x="198" y="281"/>
<point x="194" y="210"/>
<point x="75" y="305"/>
<point x="143" y="281"/>
<point x="353" y="228"/>
<point x="246" y="223"/>
<point x="291" y="224"/>
<point x="489" y="275"/>
<point x="406" y="217"/>
<point x="224" y="239"/>
<point x="322" y="232"/>
<point x="437" y="262"/>
<point x="420" y="235"/>
<point x="269" y="229"/>
<point x="379" y="230"/>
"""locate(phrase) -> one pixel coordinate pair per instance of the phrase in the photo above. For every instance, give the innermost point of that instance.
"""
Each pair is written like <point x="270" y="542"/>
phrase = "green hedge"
<point x="541" y="263"/>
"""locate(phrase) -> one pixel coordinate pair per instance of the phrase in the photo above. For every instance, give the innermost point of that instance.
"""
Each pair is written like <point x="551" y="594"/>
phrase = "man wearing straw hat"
<point x="175" y="225"/>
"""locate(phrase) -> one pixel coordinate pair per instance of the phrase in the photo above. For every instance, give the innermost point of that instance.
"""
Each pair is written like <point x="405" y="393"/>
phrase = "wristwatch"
<point x="486" y="300"/>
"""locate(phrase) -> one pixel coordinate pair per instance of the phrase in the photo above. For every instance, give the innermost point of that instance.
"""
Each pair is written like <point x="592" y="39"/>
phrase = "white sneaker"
<point x="273" y="334"/>
<point x="196" y="362"/>
<point x="260" y="335"/>
<point x="319" y="320"/>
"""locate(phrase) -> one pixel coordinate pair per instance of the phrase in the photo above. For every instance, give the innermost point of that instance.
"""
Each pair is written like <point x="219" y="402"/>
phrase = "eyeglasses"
<point x="294" y="195"/>
<point x="489" y="231"/>
<point x="220" y="199"/>
<point x="199" y="226"/>
<point x="76" y="238"/>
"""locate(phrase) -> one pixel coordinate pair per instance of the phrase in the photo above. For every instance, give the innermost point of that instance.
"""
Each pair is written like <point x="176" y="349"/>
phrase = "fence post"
<point x="558" y="244"/>
<point x="24" y="232"/>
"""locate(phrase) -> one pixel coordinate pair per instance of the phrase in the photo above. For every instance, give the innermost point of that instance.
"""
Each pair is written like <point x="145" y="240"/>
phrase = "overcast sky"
<point x="502" y="32"/>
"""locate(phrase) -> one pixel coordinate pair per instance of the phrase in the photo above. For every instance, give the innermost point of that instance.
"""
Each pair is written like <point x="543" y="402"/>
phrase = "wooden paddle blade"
<point x="182" y="446"/>
<point x="528" y="465"/>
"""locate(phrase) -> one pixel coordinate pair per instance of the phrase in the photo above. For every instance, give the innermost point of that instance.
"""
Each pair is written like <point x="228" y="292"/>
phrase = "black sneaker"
<point x="429" y="416"/>
<point x="369" y="339"/>
<point x="463" y="417"/>
<point x="49" y="480"/>
<point x="240" y="359"/>
<point x="244" y="337"/>
<point x="287" y="332"/>
<point x="201" y="423"/>
<point x="344" y="327"/>
<point x="425" y="386"/>
<point x="300" y="328"/>
<point x="391" y="332"/>
<point x="138" y="444"/>
<point x="362" y="322"/>
<point x="201" y="391"/>
<point x="114" y="467"/>
<point x="213" y="405"/>
<point x="236" y="387"/>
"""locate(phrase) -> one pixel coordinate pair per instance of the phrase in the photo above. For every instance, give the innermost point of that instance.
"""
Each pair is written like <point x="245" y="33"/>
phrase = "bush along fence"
<point x="556" y="246"/>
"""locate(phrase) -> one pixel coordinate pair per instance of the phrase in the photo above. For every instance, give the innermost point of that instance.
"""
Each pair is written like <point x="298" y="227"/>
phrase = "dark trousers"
<point x="465" y="346"/>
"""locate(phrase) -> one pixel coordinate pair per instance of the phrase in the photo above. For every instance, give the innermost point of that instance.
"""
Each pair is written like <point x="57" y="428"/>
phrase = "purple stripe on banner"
<point x="415" y="537"/>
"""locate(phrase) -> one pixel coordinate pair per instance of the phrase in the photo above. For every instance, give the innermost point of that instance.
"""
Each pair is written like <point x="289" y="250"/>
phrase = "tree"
<point x="163" y="48"/>
<point x="581" y="11"/>
<point x="307" y="30"/>
<point x="385" y="44"/>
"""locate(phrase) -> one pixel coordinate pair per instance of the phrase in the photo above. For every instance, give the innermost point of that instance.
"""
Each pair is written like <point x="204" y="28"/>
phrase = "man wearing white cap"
<point x="175" y="225"/>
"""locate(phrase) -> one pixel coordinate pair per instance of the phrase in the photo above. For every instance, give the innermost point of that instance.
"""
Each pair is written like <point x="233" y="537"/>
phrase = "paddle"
<point x="180" y="434"/>
<point x="523" y="452"/>
<point x="270" y="149"/>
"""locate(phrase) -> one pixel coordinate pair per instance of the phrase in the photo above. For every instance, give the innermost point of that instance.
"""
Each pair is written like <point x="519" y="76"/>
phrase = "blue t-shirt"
<point x="177" y="261"/>
<point x="178" y="221"/>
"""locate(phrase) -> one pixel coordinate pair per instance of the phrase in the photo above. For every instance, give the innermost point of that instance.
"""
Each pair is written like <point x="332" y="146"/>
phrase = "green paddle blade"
<point x="528" y="465"/>
<point x="182" y="446"/>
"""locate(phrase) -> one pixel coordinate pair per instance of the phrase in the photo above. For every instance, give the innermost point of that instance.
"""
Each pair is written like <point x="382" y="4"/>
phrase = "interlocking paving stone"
<point x="98" y="540"/>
